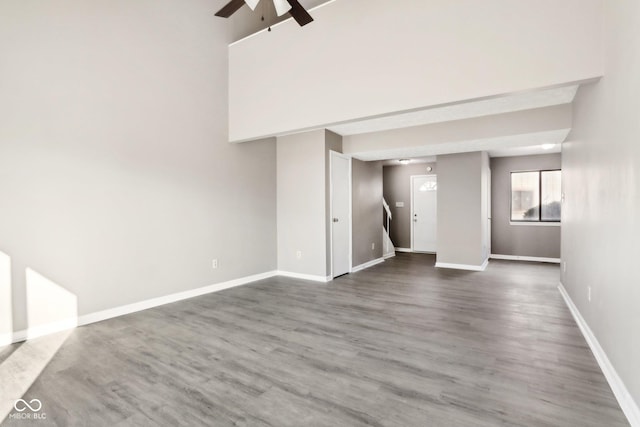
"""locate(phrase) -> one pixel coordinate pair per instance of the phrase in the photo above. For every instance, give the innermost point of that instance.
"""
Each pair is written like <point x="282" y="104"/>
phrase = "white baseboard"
<point x="525" y="258"/>
<point x="367" y="265"/>
<point x="6" y="339"/>
<point x="389" y="255"/>
<point x="404" y="250"/>
<point x="98" y="316"/>
<point x="468" y="267"/>
<point x="154" y="302"/>
<point x="628" y="405"/>
<point x="301" y="276"/>
<point x="46" y="329"/>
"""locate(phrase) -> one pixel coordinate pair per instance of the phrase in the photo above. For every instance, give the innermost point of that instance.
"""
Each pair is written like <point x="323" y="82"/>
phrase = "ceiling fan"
<point x="294" y="8"/>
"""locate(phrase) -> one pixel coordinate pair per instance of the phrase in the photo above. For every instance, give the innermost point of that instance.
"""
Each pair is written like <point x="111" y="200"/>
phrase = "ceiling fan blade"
<point x="230" y="8"/>
<point x="282" y="7"/>
<point x="252" y="3"/>
<point x="299" y="13"/>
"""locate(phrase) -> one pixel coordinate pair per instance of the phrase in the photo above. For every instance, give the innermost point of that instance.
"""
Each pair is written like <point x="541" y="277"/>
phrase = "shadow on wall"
<point x="50" y="308"/>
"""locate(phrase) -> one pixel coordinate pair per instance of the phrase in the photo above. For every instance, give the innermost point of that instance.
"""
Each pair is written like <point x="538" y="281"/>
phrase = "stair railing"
<point x="388" y="217"/>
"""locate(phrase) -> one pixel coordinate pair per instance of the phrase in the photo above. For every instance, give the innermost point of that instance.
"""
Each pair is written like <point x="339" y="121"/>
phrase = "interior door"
<point x="489" y="214"/>
<point x="340" y="214"/>
<point x="424" y="213"/>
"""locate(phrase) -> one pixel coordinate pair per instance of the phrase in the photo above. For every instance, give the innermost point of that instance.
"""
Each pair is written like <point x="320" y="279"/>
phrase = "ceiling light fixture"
<point x="404" y="161"/>
<point x="548" y="146"/>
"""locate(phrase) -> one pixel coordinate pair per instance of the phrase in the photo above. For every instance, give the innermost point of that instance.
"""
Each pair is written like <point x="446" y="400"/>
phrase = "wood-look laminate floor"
<point x="399" y="344"/>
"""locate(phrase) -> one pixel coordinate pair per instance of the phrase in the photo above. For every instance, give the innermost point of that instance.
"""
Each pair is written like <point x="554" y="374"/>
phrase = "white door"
<point x="489" y="214"/>
<point x="340" y="214"/>
<point x="424" y="213"/>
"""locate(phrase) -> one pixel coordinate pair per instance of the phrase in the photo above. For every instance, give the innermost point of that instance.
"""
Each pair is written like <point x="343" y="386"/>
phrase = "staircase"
<point x="388" y="249"/>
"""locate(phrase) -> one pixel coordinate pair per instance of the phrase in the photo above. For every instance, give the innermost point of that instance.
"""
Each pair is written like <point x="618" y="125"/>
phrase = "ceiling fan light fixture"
<point x="282" y="6"/>
<point x="295" y="9"/>
<point x="252" y="3"/>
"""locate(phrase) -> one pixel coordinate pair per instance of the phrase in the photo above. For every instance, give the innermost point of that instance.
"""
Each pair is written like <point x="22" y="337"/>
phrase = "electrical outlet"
<point x="298" y="254"/>
<point x="373" y="246"/>
<point x="589" y="293"/>
<point x="214" y="263"/>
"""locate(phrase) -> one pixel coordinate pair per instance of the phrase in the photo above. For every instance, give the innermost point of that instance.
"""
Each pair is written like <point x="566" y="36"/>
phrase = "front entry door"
<point x="424" y="213"/>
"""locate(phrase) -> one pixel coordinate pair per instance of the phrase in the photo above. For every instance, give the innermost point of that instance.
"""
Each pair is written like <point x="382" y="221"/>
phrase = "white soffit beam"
<point x="487" y="144"/>
<point x="557" y="117"/>
<point x="486" y="107"/>
<point x="525" y="151"/>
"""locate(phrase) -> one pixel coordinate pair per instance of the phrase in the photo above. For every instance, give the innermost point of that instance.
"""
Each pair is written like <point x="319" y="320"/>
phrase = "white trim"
<point x="343" y="156"/>
<point x="409" y="250"/>
<point x="535" y="224"/>
<point x="301" y="276"/>
<point x="525" y="258"/>
<point x="628" y="405"/>
<point x="132" y="308"/>
<point x="367" y="264"/>
<point x="47" y="329"/>
<point x="482" y="267"/>
<point x="389" y="255"/>
<point x="6" y="339"/>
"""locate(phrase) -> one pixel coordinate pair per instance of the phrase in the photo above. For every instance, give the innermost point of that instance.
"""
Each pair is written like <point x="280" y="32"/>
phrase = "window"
<point x="536" y="196"/>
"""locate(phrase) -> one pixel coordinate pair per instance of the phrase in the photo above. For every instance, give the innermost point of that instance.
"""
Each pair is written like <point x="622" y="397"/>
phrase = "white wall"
<point x="601" y="180"/>
<point x="362" y="58"/>
<point x="117" y="182"/>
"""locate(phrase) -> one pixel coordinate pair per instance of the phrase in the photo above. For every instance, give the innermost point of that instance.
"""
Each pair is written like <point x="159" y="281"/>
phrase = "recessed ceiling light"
<point x="548" y="146"/>
<point x="404" y="161"/>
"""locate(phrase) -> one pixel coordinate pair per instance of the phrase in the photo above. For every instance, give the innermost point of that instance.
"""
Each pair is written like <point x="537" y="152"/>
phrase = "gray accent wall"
<point x="117" y="181"/>
<point x="601" y="180"/>
<point x="366" y="211"/>
<point x="302" y="200"/>
<point x="462" y="208"/>
<point x="397" y="188"/>
<point x="520" y="240"/>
